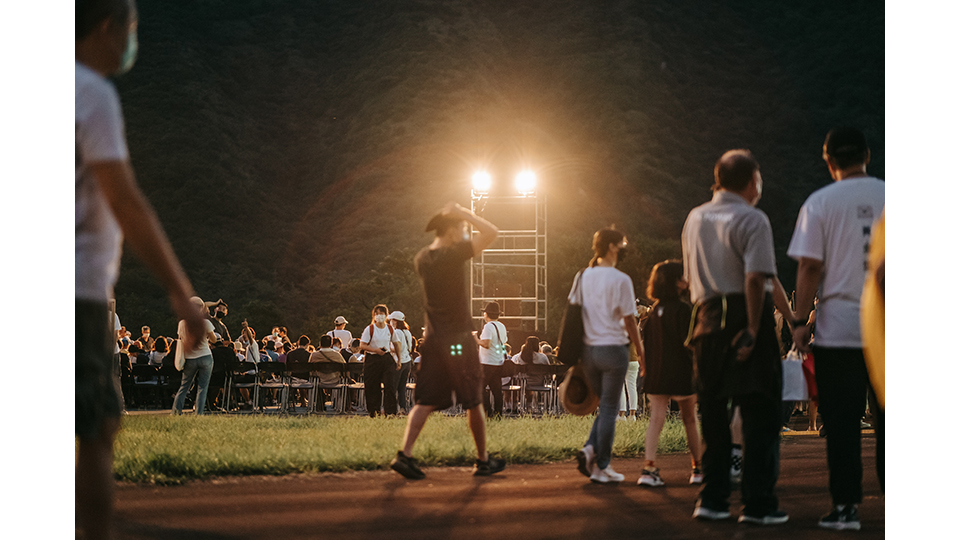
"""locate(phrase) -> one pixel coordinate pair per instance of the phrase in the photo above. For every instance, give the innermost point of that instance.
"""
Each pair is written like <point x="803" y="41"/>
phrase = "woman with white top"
<point x="610" y="326"/>
<point x="492" y="339"/>
<point x="405" y="340"/>
<point x="379" y="365"/>
<point x="198" y="364"/>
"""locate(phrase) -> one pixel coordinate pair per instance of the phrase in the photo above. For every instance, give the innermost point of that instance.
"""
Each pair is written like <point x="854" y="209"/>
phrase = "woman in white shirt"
<point x="405" y="341"/>
<point x="610" y="325"/>
<point x="198" y="364"/>
<point x="379" y="365"/>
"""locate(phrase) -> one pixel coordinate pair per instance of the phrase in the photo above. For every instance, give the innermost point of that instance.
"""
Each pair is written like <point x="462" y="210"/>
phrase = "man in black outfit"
<point x="449" y="361"/>
<point x="729" y="262"/>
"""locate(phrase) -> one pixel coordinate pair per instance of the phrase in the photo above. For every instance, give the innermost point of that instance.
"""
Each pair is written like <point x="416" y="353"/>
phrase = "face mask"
<point x="129" y="54"/>
<point x="622" y="254"/>
<point x="275" y="334"/>
<point x="466" y="235"/>
<point x="379" y="318"/>
<point x="219" y="314"/>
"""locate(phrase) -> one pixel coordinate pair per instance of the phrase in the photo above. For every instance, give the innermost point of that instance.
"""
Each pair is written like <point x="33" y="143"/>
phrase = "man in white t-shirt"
<point x="108" y="206"/>
<point x="340" y="331"/>
<point x="492" y="339"/>
<point x="380" y="366"/>
<point x="831" y="242"/>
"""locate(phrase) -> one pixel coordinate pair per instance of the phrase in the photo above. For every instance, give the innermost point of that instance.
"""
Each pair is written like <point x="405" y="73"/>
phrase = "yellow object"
<point x="872" y="313"/>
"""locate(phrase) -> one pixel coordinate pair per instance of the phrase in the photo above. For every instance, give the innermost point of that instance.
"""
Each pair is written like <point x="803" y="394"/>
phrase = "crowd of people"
<point x="728" y="362"/>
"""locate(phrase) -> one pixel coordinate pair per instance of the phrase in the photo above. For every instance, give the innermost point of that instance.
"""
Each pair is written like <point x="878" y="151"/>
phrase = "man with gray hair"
<point x="109" y="207"/>
<point x="728" y="260"/>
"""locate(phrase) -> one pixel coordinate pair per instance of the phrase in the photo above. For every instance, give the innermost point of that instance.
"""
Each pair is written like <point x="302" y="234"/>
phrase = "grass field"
<point x="169" y="449"/>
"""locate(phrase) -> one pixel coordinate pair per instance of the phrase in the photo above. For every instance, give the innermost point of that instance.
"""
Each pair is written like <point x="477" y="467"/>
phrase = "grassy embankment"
<point x="167" y="449"/>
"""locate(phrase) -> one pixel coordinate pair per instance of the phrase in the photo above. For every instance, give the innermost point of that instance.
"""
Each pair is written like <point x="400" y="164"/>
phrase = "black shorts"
<point x="97" y="393"/>
<point x="449" y="365"/>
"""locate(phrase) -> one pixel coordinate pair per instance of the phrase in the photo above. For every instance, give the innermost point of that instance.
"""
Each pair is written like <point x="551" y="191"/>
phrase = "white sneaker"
<point x="585" y="459"/>
<point x="606" y="476"/>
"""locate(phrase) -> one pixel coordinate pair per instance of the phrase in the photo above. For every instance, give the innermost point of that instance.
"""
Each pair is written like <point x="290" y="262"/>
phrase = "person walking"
<point x="109" y="207"/>
<point x="669" y="372"/>
<point x="831" y="243"/>
<point x="449" y="361"/>
<point x="729" y="262"/>
<point x="379" y="365"/>
<point x="610" y="326"/>
<point x="491" y="351"/>
<point x="198" y="364"/>
<point x="405" y="346"/>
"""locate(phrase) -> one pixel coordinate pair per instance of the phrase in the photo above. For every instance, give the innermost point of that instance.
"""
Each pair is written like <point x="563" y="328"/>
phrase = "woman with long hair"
<point x="198" y="363"/>
<point x="610" y="326"/>
<point x="669" y="367"/>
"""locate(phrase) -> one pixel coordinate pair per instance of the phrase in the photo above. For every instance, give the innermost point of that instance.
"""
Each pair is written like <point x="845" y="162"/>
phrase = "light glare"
<point x="526" y="182"/>
<point x="481" y="181"/>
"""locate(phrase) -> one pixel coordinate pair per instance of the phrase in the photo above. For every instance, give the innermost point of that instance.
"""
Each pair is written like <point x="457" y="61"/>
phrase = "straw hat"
<point x="575" y="393"/>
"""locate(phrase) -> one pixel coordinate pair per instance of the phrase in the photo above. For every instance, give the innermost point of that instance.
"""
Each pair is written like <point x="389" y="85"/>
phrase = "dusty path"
<point x="524" y="502"/>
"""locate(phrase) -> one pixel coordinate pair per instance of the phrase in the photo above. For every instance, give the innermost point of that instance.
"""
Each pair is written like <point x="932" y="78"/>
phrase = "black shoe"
<point x="843" y="517"/>
<point x="488" y="467"/>
<point x="407" y="466"/>
<point x="777" y="517"/>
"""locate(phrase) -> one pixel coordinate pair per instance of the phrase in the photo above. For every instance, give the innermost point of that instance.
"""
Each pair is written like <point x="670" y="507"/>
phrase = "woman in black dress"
<point x="669" y="367"/>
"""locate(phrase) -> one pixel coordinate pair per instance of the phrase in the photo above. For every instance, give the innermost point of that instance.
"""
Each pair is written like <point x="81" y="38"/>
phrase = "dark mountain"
<point x="295" y="149"/>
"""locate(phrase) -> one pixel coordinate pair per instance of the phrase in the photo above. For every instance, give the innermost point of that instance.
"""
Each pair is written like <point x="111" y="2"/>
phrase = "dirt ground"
<point x="524" y="501"/>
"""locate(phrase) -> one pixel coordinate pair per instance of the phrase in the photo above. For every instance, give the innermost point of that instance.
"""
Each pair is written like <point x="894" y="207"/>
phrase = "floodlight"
<point x="526" y="182"/>
<point x="481" y="181"/>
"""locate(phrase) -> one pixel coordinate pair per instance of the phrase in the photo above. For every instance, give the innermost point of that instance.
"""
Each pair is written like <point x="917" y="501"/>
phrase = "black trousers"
<point x="380" y="370"/>
<point x="493" y="379"/>
<point x="843" y="383"/>
<point x="402" y="377"/>
<point x="761" y="451"/>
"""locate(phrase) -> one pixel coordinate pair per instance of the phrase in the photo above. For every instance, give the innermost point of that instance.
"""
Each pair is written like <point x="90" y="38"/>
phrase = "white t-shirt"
<point x="382" y="337"/>
<point x="98" y="125"/>
<point x="204" y="348"/>
<point x="538" y="358"/>
<point x="834" y="227"/>
<point x="346" y="338"/>
<point x="607" y="298"/>
<point x="405" y="338"/>
<point x="496" y="332"/>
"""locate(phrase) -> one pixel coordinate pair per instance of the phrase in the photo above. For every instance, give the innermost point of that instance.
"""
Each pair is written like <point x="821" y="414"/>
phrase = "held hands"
<point x="743" y="342"/>
<point x="801" y="338"/>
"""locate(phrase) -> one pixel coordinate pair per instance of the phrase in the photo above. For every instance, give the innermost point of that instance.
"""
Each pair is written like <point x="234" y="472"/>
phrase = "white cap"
<point x="340" y="320"/>
<point x="396" y="316"/>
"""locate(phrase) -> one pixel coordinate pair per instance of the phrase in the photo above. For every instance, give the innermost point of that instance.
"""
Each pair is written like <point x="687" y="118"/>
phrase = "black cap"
<point x="492" y="309"/>
<point x="441" y="221"/>
<point x="845" y="142"/>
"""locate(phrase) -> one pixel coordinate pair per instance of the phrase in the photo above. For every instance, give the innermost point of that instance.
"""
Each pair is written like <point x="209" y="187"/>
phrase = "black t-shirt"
<point x="298" y="356"/>
<point x="443" y="275"/>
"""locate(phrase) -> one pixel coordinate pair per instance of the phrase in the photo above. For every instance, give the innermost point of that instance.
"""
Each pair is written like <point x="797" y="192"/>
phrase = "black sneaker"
<point x="777" y="517"/>
<point x="407" y="466"/>
<point x="488" y="467"/>
<point x="843" y="518"/>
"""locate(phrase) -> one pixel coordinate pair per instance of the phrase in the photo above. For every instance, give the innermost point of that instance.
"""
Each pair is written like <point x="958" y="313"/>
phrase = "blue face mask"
<point x="129" y="54"/>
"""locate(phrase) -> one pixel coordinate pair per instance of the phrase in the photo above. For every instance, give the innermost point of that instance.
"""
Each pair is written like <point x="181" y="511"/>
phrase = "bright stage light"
<point x="526" y="182"/>
<point x="481" y="181"/>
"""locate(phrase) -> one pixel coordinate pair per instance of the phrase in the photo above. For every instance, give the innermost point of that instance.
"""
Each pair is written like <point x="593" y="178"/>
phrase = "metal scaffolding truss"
<point x="513" y="270"/>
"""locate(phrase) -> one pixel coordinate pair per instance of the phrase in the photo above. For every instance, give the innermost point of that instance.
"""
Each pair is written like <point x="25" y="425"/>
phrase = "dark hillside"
<point x="295" y="149"/>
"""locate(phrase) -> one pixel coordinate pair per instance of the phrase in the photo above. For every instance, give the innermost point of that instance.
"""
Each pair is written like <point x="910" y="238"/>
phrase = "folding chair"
<point x="513" y="389"/>
<point x="354" y="383"/>
<point x="338" y="388"/>
<point x="270" y="376"/>
<point x="239" y="377"/>
<point x="539" y="380"/>
<point x="299" y="378"/>
<point x="145" y="379"/>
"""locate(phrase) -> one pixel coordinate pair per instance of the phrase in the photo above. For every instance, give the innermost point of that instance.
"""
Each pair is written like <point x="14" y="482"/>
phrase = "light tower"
<point x="513" y="270"/>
